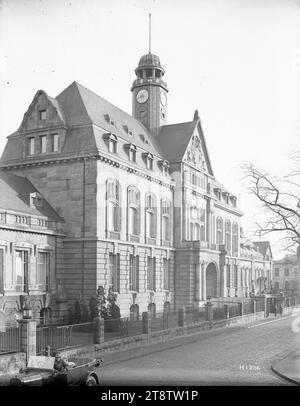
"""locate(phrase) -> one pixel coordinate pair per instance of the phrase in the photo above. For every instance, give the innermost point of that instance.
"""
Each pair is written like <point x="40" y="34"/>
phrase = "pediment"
<point x="43" y="112"/>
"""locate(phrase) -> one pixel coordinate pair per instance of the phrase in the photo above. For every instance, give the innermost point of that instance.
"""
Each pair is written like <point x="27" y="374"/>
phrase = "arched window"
<point x="219" y="231"/>
<point x="228" y="237"/>
<point x="151" y="216"/>
<point x="235" y="240"/>
<point x="133" y="207"/>
<point x="166" y="214"/>
<point x="113" y="205"/>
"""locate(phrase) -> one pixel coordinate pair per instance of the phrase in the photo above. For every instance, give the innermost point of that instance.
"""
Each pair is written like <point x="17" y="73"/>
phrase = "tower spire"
<point x="149" y="33"/>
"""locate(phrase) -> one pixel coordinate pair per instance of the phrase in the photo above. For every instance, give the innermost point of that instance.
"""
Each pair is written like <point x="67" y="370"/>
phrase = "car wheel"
<point x="91" y="381"/>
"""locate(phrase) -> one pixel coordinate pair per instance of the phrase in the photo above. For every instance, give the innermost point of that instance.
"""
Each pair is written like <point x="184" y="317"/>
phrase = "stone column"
<point x="28" y="337"/>
<point x="146" y="318"/>
<point x="98" y="330"/>
<point x="181" y="317"/>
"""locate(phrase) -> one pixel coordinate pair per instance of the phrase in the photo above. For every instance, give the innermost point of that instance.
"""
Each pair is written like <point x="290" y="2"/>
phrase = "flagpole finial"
<point x="149" y="33"/>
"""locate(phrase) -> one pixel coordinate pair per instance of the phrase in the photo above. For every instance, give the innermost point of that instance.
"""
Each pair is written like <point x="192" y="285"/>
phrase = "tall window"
<point x="276" y="271"/>
<point x="228" y="237"/>
<point x="228" y="276"/>
<point x="113" y="205"/>
<point x="43" y="144"/>
<point x="166" y="274"/>
<point x="151" y="216"/>
<point x="286" y="272"/>
<point x="151" y="271"/>
<point x="149" y="162"/>
<point x="54" y="142"/>
<point x="197" y="223"/>
<point x="114" y="272"/>
<point x="235" y="240"/>
<point x="31" y="146"/>
<point x="219" y="231"/>
<point x="166" y="213"/>
<point x="235" y="276"/>
<point x="1" y="269"/>
<point x="21" y="270"/>
<point x="43" y="270"/>
<point x="133" y="211"/>
<point x="134" y="273"/>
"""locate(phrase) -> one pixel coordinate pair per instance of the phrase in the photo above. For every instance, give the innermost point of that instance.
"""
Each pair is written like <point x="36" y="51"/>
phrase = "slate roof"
<point x="262" y="246"/>
<point x="82" y="106"/>
<point x="14" y="190"/>
<point x="174" y="138"/>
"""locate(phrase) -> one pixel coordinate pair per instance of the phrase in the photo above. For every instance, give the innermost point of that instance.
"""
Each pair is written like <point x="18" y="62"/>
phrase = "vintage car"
<point x="40" y="371"/>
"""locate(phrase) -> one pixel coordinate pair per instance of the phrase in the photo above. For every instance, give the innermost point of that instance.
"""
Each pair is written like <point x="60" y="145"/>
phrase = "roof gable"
<point x="32" y="118"/>
<point x="185" y="142"/>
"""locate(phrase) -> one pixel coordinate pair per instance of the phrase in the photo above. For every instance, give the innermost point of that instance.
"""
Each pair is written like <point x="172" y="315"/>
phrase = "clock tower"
<point x="149" y="94"/>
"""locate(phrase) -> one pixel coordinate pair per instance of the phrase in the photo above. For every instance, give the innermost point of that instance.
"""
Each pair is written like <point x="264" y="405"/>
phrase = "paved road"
<point x="232" y="356"/>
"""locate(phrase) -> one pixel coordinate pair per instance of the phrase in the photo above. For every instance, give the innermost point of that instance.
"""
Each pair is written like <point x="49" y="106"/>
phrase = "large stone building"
<point x="140" y="207"/>
<point x="286" y="273"/>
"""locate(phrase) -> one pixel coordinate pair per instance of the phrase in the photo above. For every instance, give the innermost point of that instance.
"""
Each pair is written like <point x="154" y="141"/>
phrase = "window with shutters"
<point x="151" y="216"/>
<point x="113" y="276"/>
<point x="151" y="273"/>
<point x="20" y="274"/>
<point x="134" y="209"/>
<point x="113" y="205"/>
<point x="43" y="270"/>
<point x="134" y="273"/>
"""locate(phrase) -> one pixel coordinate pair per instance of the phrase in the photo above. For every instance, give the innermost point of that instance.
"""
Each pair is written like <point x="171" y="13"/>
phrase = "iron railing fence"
<point x="123" y="327"/>
<point x="260" y="304"/>
<point x="10" y="338"/>
<point x="62" y="337"/>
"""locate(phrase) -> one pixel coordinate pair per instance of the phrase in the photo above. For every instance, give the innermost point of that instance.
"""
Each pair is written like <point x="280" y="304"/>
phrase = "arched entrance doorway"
<point x="211" y="281"/>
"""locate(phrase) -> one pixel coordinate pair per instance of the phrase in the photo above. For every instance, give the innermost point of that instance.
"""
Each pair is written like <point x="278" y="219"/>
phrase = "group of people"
<point x="61" y="363"/>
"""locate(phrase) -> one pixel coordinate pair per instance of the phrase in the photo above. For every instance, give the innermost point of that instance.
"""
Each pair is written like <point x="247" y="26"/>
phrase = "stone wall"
<point x="12" y="363"/>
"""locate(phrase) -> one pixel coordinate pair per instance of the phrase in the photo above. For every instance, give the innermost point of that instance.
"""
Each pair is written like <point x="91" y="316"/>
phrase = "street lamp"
<point x="26" y="312"/>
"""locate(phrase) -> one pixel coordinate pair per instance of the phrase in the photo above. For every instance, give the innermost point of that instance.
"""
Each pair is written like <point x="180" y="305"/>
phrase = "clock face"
<point x="142" y="96"/>
<point x="163" y="98"/>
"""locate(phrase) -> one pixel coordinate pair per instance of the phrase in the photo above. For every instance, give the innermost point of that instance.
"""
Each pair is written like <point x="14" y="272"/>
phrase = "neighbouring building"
<point x="137" y="205"/>
<point x="286" y="273"/>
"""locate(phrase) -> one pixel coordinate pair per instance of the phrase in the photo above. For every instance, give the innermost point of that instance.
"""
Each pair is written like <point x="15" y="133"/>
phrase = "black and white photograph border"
<point x="149" y="195"/>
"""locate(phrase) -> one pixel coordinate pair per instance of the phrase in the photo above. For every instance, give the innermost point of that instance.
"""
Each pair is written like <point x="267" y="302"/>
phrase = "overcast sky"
<point x="236" y="61"/>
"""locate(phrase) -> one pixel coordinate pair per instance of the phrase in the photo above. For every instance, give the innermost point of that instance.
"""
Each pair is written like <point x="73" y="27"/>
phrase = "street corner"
<point x="289" y="367"/>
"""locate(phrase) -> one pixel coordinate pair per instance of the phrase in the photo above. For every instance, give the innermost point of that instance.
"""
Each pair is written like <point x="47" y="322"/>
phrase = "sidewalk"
<point x="289" y="367"/>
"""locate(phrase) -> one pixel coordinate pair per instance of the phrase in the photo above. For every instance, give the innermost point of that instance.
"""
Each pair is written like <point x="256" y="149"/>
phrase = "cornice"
<point x="92" y="155"/>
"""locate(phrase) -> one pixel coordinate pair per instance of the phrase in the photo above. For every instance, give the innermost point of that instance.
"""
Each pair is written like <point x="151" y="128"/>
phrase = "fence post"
<point x="28" y="337"/>
<point x="253" y="306"/>
<point x="146" y="317"/>
<point x="209" y="311"/>
<point x="226" y="311"/>
<point x="98" y="330"/>
<point x="181" y="317"/>
<point x="267" y="307"/>
<point x="241" y="309"/>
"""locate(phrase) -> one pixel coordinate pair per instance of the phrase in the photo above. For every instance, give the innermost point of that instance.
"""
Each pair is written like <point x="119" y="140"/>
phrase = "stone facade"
<point x="286" y="273"/>
<point x="143" y="212"/>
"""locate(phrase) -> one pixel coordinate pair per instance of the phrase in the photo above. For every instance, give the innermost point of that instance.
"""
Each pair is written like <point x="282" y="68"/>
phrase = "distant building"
<point x="286" y="273"/>
<point x="135" y="201"/>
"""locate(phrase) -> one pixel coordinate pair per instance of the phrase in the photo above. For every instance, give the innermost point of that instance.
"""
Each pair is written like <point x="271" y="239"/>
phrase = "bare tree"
<point x="281" y="202"/>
